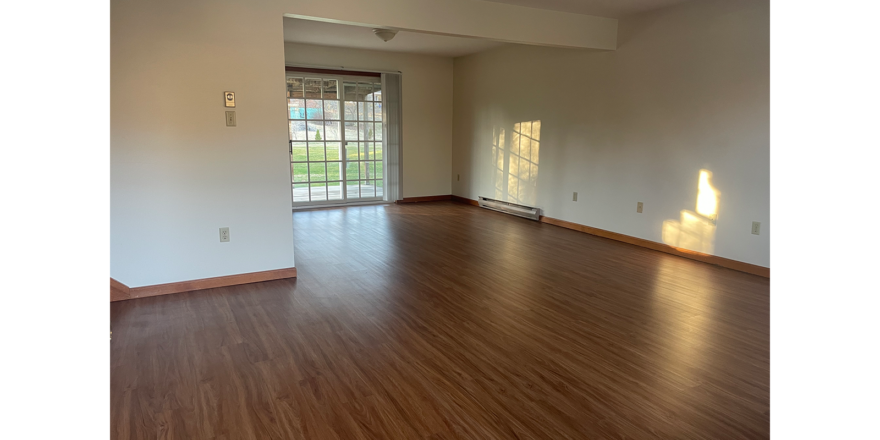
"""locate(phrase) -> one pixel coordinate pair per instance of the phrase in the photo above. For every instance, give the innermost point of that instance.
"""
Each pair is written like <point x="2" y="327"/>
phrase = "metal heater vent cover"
<point x="524" y="211"/>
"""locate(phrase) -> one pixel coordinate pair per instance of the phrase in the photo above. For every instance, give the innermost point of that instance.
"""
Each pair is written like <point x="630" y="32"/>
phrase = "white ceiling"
<point x="341" y="35"/>
<point x="601" y="8"/>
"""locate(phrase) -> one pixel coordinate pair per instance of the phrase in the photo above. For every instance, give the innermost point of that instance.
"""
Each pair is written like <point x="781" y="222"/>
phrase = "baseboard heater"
<point x="524" y="211"/>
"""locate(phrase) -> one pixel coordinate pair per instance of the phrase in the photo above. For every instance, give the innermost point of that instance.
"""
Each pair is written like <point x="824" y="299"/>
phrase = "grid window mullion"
<point x="356" y="124"/>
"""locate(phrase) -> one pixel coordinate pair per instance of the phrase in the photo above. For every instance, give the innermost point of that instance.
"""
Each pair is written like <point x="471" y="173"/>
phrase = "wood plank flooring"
<point x="440" y="321"/>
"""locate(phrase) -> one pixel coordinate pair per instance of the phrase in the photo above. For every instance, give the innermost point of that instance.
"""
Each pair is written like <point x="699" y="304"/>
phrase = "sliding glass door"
<point x="336" y="139"/>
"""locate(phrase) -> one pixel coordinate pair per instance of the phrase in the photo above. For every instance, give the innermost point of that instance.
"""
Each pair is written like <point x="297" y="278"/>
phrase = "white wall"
<point x="427" y="108"/>
<point x="178" y="173"/>
<point x="687" y="89"/>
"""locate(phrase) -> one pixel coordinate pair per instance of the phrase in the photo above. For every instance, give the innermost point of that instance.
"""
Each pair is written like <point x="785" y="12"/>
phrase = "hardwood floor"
<point x="441" y="320"/>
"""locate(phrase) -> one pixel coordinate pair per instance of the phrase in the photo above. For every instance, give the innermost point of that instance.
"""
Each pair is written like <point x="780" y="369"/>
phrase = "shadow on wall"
<point x="515" y="162"/>
<point x="696" y="230"/>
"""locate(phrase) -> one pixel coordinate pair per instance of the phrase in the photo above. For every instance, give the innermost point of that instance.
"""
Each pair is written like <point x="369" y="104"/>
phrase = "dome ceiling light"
<point x="385" y="34"/>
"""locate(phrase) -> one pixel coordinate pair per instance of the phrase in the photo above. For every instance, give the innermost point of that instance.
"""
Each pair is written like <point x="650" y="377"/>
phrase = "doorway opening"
<point x="337" y="137"/>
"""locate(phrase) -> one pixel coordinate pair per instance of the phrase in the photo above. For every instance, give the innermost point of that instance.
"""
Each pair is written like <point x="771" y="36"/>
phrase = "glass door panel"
<point x="335" y="139"/>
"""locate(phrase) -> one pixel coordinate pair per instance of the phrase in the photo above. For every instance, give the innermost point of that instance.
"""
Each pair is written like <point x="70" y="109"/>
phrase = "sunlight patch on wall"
<point x="515" y="162"/>
<point x="522" y="177"/>
<point x="695" y="231"/>
<point x="498" y="162"/>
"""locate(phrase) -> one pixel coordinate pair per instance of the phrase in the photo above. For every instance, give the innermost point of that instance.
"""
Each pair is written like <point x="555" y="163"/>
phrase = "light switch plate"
<point x="230" y="119"/>
<point x="639" y="207"/>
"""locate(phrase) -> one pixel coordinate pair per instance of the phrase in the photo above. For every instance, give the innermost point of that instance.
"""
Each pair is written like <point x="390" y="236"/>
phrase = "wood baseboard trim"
<point x="466" y="200"/>
<point x="118" y="291"/>
<point x="206" y="283"/>
<point x="425" y="199"/>
<point x="705" y="258"/>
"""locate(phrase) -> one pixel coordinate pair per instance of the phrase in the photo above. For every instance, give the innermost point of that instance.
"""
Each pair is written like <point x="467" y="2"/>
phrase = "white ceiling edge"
<point x="470" y="18"/>
<point x="323" y="33"/>
<point x="600" y="8"/>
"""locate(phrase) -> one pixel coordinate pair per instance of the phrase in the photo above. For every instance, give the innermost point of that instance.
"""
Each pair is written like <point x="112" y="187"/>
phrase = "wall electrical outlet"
<point x="230" y="119"/>
<point x="224" y="234"/>
<point x="574" y="197"/>
<point x="756" y="228"/>
<point x="639" y="207"/>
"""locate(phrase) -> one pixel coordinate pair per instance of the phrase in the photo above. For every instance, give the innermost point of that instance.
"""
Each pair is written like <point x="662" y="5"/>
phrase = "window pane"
<point x="365" y="111"/>
<point x="331" y="109"/>
<point x="380" y="191"/>
<point x="314" y="109"/>
<point x="377" y="92"/>
<point x="377" y="111"/>
<point x="367" y="170"/>
<point x="300" y="172"/>
<point x="331" y="131"/>
<point x="351" y="171"/>
<point x="294" y="88"/>
<point x="317" y="172"/>
<point x="298" y="152"/>
<point x="377" y="131"/>
<point x="351" y="131"/>
<point x="351" y="150"/>
<point x="297" y="130"/>
<point x="315" y="129"/>
<point x="364" y="89"/>
<point x="365" y="131"/>
<point x="316" y="151"/>
<point x="378" y="148"/>
<point x="351" y="189"/>
<point x="367" y="151"/>
<point x="351" y="111"/>
<point x="350" y="91"/>
<point x="334" y="170"/>
<point x="334" y="191"/>
<point x="368" y="188"/>
<point x="301" y="192"/>
<point x="318" y="191"/>
<point x="313" y="88"/>
<point x="296" y="108"/>
<point x="330" y="89"/>
<point x="379" y="174"/>
<point x="333" y="151"/>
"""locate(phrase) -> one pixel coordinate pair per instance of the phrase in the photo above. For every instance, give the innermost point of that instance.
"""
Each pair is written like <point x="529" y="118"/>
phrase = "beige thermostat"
<point x="230" y="98"/>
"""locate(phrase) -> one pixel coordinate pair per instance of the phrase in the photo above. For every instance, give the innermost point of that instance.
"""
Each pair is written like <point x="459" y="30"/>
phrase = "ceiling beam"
<point x="467" y="18"/>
